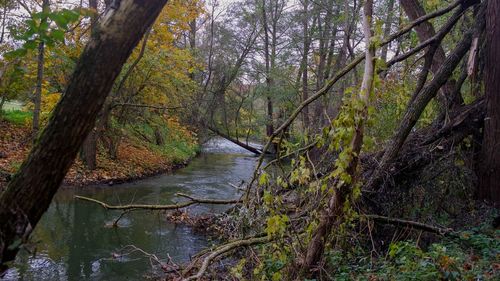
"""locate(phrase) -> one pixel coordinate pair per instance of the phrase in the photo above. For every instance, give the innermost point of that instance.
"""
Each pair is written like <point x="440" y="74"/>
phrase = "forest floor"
<point x="135" y="159"/>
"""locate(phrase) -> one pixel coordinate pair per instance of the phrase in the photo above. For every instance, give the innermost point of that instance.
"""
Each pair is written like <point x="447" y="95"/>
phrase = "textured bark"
<point x="31" y="190"/>
<point x="489" y="173"/>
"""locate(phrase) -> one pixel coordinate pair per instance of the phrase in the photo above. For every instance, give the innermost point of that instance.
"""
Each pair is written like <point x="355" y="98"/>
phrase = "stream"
<point x="75" y="242"/>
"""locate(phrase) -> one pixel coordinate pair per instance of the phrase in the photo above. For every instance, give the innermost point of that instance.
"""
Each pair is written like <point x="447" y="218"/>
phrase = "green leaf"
<point x="21" y="52"/>
<point x="60" y="20"/>
<point x="30" y="45"/>
<point x="57" y="34"/>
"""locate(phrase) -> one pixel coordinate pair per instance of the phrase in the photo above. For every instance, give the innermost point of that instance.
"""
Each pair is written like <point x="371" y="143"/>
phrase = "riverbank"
<point x="136" y="158"/>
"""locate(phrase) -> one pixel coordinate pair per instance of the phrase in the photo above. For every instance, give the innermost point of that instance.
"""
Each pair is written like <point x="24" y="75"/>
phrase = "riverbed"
<point x="75" y="242"/>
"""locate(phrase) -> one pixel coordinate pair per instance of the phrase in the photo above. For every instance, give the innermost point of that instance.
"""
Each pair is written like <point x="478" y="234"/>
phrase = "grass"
<point x="17" y="117"/>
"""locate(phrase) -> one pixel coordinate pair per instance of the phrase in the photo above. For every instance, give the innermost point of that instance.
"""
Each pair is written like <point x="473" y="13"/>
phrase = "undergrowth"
<point x="472" y="255"/>
<point x="17" y="117"/>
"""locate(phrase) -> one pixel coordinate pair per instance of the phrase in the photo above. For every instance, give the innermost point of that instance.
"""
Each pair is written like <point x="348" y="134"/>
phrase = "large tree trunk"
<point x="31" y="190"/>
<point x="489" y="173"/>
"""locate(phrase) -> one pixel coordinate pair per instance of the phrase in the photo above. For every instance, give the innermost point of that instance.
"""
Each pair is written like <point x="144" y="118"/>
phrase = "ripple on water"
<point x="75" y="245"/>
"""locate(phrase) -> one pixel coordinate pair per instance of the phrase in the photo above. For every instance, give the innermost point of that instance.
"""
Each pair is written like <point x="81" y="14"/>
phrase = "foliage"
<point x="473" y="256"/>
<point x="45" y="26"/>
<point x="17" y="117"/>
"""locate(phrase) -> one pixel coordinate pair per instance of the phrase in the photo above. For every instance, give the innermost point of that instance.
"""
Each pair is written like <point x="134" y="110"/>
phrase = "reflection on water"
<point x="74" y="242"/>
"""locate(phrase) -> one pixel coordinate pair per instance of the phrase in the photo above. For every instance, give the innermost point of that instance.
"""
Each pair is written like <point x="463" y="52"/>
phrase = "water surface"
<point x="74" y="242"/>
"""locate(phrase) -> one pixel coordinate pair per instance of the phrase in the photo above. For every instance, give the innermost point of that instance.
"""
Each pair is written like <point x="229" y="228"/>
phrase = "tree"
<point x="31" y="190"/>
<point x="37" y="97"/>
<point x="489" y="170"/>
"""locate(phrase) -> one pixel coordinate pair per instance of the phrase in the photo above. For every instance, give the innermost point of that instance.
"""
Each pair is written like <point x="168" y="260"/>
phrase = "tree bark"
<point x="489" y="168"/>
<point x="31" y="190"/>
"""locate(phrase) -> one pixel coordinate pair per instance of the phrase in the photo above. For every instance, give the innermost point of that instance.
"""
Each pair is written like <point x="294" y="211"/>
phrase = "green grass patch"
<point x="17" y="117"/>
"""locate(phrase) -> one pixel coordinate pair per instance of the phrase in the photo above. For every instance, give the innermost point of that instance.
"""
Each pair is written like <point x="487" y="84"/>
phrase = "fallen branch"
<point x="147" y="106"/>
<point x="224" y="249"/>
<point x="237" y="142"/>
<point x="412" y="224"/>
<point x="192" y="201"/>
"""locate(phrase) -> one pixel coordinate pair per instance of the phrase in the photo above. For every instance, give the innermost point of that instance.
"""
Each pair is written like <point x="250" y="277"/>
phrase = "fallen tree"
<point x="237" y="142"/>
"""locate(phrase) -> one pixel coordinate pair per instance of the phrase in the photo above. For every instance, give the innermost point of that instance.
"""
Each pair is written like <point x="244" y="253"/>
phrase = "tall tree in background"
<point x="305" y="55"/>
<point x="88" y="151"/>
<point x="31" y="190"/>
<point x="489" y="174"/>
<point x="37" y="97"/>
<point x="269" y="79"/>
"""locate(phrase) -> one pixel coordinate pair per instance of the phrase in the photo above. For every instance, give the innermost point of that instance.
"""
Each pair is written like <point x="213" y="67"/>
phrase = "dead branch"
<point x="412" y="224"/>
<point x="224" y="249"/>
<point x="192" y="201"/>
<point x="147" y="106"/>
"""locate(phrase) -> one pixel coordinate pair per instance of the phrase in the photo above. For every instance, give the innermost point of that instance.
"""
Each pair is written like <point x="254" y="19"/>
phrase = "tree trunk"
<point x="387" y="28"/>
<point x="37" y="98"/>
<point x="269" y="123"/>
<point x="332" y="214"/>
<point x="489" y="169"/>
<point x="88" y="152"/>
<point x="414" y="10"/>
<point x="305" y="82"/>
<point x="31" y="190"/>
<point x="160" y="141"/>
